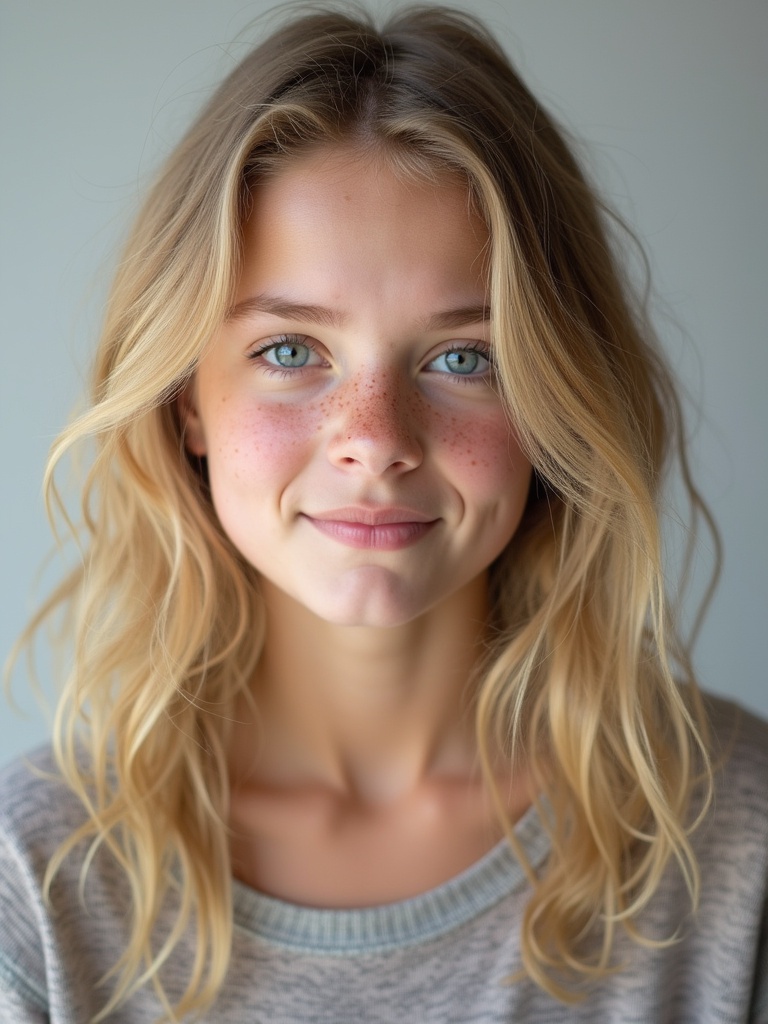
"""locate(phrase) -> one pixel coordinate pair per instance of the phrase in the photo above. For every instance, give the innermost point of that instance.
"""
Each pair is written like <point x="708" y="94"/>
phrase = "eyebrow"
<point x="276" y="305"/>
<point x="460" y="317"/>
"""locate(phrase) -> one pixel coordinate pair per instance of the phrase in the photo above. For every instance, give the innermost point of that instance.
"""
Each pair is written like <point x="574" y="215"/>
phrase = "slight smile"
<point x="380" y="529"/>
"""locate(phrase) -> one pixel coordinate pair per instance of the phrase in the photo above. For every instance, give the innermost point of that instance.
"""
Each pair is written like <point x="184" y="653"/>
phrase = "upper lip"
<point x="373" y="516"/>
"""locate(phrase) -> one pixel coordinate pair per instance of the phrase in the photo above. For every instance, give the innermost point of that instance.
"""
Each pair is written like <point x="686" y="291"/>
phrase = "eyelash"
<point x="479" y="378"/>
<point x="300" y="339"/>
<point x="283" y="372"/>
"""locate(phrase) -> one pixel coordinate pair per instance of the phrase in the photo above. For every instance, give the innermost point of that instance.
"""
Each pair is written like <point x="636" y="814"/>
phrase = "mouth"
<point x="382" y="529"/>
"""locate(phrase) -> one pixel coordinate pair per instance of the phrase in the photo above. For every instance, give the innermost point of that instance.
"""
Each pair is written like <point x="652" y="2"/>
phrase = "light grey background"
<point x="670" y="96"/>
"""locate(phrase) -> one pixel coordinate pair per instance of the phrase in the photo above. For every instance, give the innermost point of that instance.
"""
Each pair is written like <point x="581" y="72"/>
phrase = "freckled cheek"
<point x="483" y="449"/>
<point x="261" y="441"/>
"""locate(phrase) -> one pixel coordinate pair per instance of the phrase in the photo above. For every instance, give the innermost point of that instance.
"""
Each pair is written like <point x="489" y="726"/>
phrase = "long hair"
<point x="580" y="683"/>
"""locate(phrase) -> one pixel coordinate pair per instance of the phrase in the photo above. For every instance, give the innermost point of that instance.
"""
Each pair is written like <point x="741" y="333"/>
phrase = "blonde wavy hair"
<point x="586" y="682"/>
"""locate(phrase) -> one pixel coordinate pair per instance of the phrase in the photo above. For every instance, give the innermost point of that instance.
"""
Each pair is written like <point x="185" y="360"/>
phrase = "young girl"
<point x="376" y="709"/>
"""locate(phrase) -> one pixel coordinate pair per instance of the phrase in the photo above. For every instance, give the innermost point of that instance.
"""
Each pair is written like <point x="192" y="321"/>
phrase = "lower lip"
<point x="386" y="537"/>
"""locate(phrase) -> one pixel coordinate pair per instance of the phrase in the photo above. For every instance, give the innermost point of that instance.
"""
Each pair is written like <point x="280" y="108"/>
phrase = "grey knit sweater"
<point x="438" y="958"/>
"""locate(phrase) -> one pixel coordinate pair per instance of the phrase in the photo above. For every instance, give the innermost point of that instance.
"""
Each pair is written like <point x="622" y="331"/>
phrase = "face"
<point x="358" y="454"/>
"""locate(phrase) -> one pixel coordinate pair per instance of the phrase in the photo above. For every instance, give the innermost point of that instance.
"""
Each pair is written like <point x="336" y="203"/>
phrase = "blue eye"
<point x="461" y="362"/>
<point x="288" y="354"/>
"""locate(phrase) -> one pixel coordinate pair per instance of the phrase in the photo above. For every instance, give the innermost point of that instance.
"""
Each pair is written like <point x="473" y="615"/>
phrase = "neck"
<point x="369" y="713"/>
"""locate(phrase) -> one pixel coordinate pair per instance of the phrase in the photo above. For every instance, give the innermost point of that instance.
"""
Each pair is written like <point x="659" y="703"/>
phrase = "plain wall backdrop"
<point x="669" y="99"/>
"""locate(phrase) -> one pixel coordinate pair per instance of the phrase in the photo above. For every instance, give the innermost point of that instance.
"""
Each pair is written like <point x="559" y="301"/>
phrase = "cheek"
<point x="484" y="450"/>
<point x="258" y="441"/>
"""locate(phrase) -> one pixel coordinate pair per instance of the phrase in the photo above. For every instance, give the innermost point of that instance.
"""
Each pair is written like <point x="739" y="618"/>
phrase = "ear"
<point x="191" y="421"/>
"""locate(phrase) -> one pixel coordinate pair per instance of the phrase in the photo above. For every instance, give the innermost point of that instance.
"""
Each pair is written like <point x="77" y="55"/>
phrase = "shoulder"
<point x="54" y="944"/>
<point x="35" y="815"/>
<point x="734" y="831"/>
<point x="37" y="809"/>
<point x="740" y="763"/>
<point x="730" y="940"/>
<point x="732" y="840"/>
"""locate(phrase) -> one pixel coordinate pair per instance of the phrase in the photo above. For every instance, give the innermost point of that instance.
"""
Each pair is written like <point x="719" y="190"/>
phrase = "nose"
<point x="375" y="429"/>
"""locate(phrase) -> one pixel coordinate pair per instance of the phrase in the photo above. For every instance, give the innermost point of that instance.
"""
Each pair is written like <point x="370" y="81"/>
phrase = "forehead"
<point x="340" y="220"/>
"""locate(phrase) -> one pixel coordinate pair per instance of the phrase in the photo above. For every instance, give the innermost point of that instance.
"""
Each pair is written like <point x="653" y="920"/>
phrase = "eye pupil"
<point x="462" y="362"/>
<point x="291" y="355"/>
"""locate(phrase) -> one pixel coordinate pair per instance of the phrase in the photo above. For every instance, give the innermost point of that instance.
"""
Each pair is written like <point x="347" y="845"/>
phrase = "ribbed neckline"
<point x="393" y="925"/>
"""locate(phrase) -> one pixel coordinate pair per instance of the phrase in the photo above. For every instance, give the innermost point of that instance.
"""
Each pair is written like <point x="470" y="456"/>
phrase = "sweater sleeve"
<point x="23" y="995"/>
<point x="15" y="1006"/>
<point x="759" y="1013"/>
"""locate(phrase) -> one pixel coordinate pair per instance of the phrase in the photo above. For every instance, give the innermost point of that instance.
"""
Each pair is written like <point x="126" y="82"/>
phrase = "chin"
<point x="370" y="603"/>
<point x="369" y="615"/>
